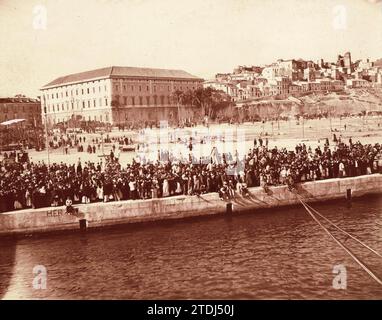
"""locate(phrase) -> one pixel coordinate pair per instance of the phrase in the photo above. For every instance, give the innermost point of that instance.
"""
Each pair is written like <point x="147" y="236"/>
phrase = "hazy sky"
<point x="202" y="37"/>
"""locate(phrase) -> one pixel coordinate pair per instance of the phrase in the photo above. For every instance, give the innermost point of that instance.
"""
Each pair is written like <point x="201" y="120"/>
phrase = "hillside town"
<point x="297" y="77"/>
<point x="140" y="97"/>
<point x="205" y="150"/>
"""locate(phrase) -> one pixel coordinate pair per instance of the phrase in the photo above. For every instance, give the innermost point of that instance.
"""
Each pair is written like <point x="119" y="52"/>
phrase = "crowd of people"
<point x="34" y="185"/>
<point x="69" y="141"/>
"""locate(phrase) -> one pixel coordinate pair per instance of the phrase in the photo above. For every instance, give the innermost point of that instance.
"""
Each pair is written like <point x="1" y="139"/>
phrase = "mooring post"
<point x="348" y="197"/>
<point x="83" y="224"/>
<point x="229" y="208"/>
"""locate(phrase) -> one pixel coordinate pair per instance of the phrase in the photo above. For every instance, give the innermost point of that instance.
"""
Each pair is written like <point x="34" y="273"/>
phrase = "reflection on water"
<point x="7" y="260"/>
<point x="276" y="254"/>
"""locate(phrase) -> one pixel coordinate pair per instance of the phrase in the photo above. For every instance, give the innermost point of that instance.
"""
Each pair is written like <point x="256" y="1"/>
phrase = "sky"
<point x="45" y="39"/>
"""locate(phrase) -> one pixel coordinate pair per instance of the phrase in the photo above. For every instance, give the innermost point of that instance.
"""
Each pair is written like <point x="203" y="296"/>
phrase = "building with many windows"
<point x="117" y="95"/>
<point x="21" y="107"/>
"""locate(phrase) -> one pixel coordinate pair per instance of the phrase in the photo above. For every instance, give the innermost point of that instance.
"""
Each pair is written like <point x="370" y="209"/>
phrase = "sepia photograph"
<point x="215" y="150"/>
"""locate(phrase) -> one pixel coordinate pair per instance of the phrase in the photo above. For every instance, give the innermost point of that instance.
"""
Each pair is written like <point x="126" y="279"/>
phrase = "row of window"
<point x="28" y="109"/>
<point x="76" y="92"/>
<point x="141" y="88"/>
<point x="66" y="106"/>
<point x="83" y="105"/>
<point x="100" y="118"/>
<point x="155" y="100"/>
<point x="159" y="82"/>
<point x="125" y="87"/>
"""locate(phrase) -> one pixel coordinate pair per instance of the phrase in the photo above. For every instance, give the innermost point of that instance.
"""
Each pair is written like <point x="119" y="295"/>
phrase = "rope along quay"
<point x="309" y="209"/>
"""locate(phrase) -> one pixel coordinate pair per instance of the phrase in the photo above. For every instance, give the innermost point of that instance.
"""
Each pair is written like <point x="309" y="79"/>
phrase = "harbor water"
<point x="264" y="254"/>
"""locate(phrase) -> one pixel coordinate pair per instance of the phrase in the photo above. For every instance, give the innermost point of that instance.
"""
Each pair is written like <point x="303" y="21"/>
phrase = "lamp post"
<point x="102" y="133"/>
<point x="73" y="118"/>
<point x="330" y="118"/>
<point x="340" y="122"/>
<point x="118" y="115"/>
<point x="179" y="111"/>
<point x="81" y="112"/>
<point x="105" y="97"/>
<point x="46" y="133"/>
<point x="272" y="128"/>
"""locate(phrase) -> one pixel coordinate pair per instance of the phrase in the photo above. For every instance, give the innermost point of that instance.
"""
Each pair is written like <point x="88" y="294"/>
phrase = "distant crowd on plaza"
<point x="68" y="141"/>
<point x="34" y="185"/>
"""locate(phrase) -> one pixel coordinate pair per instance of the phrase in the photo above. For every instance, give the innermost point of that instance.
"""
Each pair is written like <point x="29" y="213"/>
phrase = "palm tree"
<point x="210" y="100"/>
<point x="116" y="104"/>
<point x="202" y="97"/>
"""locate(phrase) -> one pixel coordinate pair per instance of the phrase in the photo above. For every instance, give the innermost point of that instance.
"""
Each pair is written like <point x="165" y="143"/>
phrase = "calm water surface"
<point x="274" y="254"/>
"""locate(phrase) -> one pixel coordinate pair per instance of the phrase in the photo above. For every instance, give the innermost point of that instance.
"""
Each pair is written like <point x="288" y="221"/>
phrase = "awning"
<point x="13" y="121"/>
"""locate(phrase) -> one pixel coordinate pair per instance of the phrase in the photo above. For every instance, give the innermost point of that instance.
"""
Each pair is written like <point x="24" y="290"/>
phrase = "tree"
<point x="115" y="104"/>
<point x="211" y="100"/>
<point x="115" y="101"/>
<point x="202" y="99"/>
<point x="178" y="97"/>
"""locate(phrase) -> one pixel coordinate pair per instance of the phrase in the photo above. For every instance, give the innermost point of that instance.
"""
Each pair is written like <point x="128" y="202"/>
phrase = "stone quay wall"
<point x="131" y="211"/>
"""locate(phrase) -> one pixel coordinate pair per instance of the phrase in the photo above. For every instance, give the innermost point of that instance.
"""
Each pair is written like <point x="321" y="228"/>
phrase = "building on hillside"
<point x="280" y="85"/>
<point x="118" y="95"/>
<point x="295" y="89"/>
<point x="335" y="74"/>
<point x="379" y="78"/>
<point x="226" y="87"/>
<point x="255" y="91"/>
<point x="325" y="84"/>
<point x="365" y="64"/>
<point x="309" y="74"/>
<point x="20" y="107"/>
<point x="377" y="63"/>
<point x="337" y="85"/>
<point x="290" y="69"/>
<point x="357" y="83"/>
<point x="246" y="69"/>
<point x="265" y="89"/>
<point x="359" y="74"/>
<point x="241" y="77"/>
<point x="315" y="86"/>
<point x="348" y="63"/>
<point x="258" y="81"/>
<point x="345" y="62"/>
<point x="221" y="77"/>
<point x="305" y="86"/>
<point x="270" y="72"/>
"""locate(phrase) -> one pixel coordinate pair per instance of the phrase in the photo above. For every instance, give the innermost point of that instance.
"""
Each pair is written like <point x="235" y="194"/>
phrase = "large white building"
<point x="116" y="95"/>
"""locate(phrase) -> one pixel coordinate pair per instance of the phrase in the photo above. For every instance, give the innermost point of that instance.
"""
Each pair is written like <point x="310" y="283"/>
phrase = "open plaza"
<point x="311" y="132"/>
